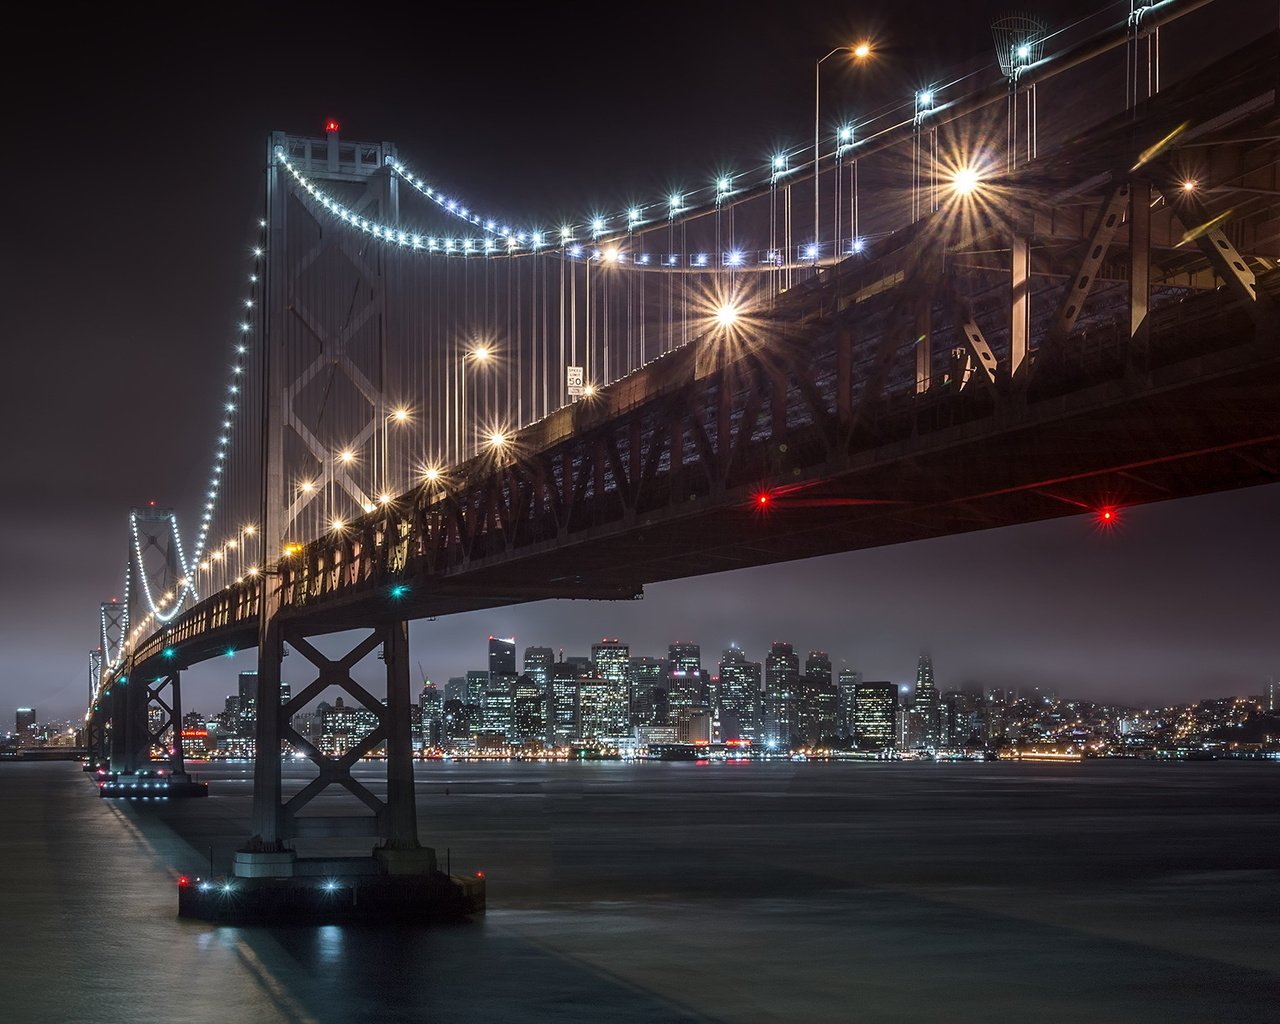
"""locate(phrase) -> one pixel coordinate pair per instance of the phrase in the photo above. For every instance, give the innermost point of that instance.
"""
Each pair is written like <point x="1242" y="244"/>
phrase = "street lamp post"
<point x="860" y="51"/>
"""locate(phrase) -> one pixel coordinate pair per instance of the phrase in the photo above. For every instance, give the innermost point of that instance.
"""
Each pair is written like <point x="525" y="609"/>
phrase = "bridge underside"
<point x="1202" y="425"/>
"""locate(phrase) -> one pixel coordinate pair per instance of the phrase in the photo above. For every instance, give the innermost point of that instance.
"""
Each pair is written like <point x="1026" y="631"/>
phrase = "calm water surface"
<point x="797" y="893"/>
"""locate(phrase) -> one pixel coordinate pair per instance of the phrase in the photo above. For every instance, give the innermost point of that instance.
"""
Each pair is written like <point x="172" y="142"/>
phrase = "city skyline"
<point x="1175" y="602"/>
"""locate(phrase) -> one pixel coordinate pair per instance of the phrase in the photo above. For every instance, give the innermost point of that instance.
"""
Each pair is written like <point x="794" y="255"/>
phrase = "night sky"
<point x="134" y="185"/>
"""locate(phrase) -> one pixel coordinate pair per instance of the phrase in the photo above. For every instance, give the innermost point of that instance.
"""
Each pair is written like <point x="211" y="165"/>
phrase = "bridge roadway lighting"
<point x="965" y="181"/>
<point x="727" y="315"/>
<point x="481" y="354"/>
<point x="859" y="52"/>
<point x="400" y="414"/>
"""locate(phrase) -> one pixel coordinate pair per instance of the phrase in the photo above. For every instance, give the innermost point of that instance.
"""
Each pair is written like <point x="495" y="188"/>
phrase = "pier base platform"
<point x="333" y="891"/>
<point x="150" y="786"/>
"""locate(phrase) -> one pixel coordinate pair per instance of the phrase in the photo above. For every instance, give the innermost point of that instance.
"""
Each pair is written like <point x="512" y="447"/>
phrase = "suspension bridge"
<point x="980" y="308"/>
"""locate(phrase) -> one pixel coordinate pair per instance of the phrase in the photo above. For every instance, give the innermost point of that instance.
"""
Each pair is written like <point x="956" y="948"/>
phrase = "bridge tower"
<point x="146" y="713"/>
<point x="310" y="349"/>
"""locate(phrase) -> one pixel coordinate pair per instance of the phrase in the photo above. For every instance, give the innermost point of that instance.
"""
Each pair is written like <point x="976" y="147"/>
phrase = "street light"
<point x="480" y="354"/>
<point x="860" y="52"/>
<point x="400" y="414"/>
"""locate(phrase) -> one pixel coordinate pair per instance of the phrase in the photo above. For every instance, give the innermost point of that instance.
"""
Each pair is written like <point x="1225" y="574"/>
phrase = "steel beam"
<point x="1019" y="304"/>
<point x="1110" y="217"/>
<point x="1139" y="261"/>
<point x="982" y="361"/>
<point x="171" y="719"/>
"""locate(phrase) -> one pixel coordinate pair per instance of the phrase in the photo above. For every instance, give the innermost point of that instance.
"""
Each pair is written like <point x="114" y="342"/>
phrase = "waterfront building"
<point x="496" y="707"/>
<point x="344" y="726"/>
<point x="738" y="695"/>
<point x="647" y="690"/>
<point x="496" y="704"/>
<point x="247" y="705"/>
<point x="24" y="722"/>
<point x="781" y="675"/>
<point x="612" y="660"/>
<point x="875" y="715"/>
<point x="430" y="714"/>
<point x="562" y="705"/>
<point x="602" y="709"/>
<point x="846" y="688"/>
<point x="528" y="702"/>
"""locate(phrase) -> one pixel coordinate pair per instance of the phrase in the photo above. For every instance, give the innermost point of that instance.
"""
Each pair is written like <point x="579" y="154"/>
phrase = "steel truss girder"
<point x="1213" y="242"/>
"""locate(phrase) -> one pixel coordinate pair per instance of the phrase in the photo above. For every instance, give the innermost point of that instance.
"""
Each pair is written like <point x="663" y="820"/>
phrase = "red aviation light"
<point x="1108" y="516"/>
<point x="183" y="880"/>
<point x="762" y="499"/>
<point x="331" y="125"/>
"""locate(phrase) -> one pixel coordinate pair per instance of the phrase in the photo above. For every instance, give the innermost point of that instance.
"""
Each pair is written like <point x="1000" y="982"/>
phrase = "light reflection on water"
<point x="677" y="892"/>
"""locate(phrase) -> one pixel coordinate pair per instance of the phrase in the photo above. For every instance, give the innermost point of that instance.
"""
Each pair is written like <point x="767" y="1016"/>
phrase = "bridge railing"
<point x="233" y="608"/>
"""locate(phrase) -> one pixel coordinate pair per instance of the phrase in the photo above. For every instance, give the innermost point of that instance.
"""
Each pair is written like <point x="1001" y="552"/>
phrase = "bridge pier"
<point x="123" y="752"/>
<point x="400" y="876"/>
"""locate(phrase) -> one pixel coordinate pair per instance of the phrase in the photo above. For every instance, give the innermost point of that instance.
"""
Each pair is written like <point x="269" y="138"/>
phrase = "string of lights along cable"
<point x="414" y="333"/>
<point x="163" y="576"/>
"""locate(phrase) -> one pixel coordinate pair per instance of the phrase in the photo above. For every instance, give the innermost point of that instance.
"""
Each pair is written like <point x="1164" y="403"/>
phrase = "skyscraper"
<point x="562" y="704"/>
<point x="502" y="660"/>
<point x="430" y="714"/>
<point x="846" y="687"/>
<point x="738" y="695"/>
<point x="602" y="709"/>
<point x="817" y="666"/>
<point x="647" y="686"/>
<point x="496" y="710"/>
<point x="24" y="721"/>
<point x="528" y="701"/>
<point x="781" y="673"/>
<point x="684" y="656"/>
<point x="925" y="709"/>
<point x="456" y="689"/>
<point x="875" y="712"/>
<point x="247" y="708"/>
<point x="537" y="665"/>
<point x="612" y="659"/>
<point x="816" y="698"/>
<point x="684" y="683"/>
<point x="477" y="683"/>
